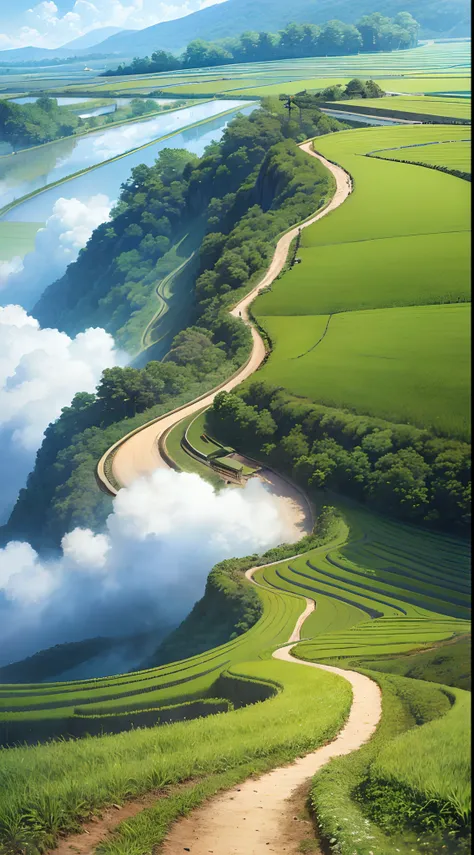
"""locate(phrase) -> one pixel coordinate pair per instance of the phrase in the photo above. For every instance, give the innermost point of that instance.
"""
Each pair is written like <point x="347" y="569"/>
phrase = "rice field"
<point x="455" y="108"/>
<point x="439" y="67"/>
<point x="17" y="239"/>
<point x="375" y="316"/>
<point x="452" y="155"/>
<point x="407" y="364"/>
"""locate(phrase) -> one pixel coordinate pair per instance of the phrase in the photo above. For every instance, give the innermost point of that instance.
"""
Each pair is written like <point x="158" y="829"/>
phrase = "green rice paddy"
<point x="452" y="154"/>
<point x="375" y="318"/>
<point x="455" y="108"/>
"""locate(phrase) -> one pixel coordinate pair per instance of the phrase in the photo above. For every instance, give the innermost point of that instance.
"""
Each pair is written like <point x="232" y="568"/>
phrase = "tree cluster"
<point x="251" y="186"/>
<point x="33" y="124"/>
<point x="372" y="33"/>
<point x="116" y="272"/>
<point x="356" y="88"/>
<point x="396" y="468"/>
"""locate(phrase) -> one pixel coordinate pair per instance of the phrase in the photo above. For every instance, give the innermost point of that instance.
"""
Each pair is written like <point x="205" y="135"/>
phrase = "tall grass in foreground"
<point x="46" y="789"/>
<point x="361" y="814"/>
<point x="433" y="762"/>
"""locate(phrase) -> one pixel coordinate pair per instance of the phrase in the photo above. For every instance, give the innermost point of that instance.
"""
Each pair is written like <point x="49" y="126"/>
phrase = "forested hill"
<point x="437" y="18"/>
<point x="371" y="34"/>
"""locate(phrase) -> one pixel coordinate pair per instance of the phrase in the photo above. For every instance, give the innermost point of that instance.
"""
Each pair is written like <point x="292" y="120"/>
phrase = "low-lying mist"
<point x="148" y="567"/>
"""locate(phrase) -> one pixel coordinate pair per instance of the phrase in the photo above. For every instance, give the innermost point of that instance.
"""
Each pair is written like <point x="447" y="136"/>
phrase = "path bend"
<point x="255" y="818"/>
<point x="138" y="452"/>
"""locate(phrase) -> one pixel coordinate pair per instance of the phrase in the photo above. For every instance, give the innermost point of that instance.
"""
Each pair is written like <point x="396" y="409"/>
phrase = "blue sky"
<point x="53" y="23"/>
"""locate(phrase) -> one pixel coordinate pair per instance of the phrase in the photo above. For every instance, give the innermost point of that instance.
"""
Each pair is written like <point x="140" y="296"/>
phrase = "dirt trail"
<point x="138" y="453"/>
<point x="259" y="816"/>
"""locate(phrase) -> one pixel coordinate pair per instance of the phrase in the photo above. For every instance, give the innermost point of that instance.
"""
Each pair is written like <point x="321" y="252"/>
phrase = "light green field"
<point x="456" y="108"/>
<point x="366" y="275"/>
<point x="17" y="239"/>
<point x="388" y="84"/>
<point x="453" y="155"/>
<point x="423" y="84"/>
<point x="408" y="364"/>
<point x="392" y="245"/>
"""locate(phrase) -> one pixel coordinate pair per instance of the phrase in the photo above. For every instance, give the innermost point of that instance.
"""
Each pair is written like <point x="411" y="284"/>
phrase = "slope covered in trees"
<point x="372" y="33"/>
<point x="439" y="18"/>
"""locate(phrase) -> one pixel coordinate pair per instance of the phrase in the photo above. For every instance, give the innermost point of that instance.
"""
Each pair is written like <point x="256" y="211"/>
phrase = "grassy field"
<point x="366" y="320"/>
<point x="184" y="461"/>
<point x="17" y="239"/>
<point x="408" y="364"/>
<point x="453" y="155"/>
<point x="455" y="108"/>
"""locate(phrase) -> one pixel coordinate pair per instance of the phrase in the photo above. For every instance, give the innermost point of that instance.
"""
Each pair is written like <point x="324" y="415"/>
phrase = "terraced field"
<point x="453" y="154"/>
<point x="455" y="108"/>
<point x="442" y="67"/>
<point x="379" y="588"/>
<point x="374" y="318"/>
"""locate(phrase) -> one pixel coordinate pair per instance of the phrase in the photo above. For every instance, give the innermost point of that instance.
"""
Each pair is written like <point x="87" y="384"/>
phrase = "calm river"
<point x="33" y="169"/>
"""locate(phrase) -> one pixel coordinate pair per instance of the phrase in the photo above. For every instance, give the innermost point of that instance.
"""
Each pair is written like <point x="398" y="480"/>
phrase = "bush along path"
<point x="138" y="453"/>
<point x="258" y="817"/>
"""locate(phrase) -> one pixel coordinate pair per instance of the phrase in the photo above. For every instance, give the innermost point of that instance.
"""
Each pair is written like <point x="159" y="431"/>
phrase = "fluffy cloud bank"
<point x="150" y="565"/>
<point x="44" y="26"/>
<point x="67" y="230"/>
<point x="40" y="372"/>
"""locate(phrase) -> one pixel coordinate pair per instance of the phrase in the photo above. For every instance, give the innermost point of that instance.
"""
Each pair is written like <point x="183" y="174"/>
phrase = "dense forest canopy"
<point x="117" y="271"/>
<point x="372" y="33"/>
<point x="396" y="468"/>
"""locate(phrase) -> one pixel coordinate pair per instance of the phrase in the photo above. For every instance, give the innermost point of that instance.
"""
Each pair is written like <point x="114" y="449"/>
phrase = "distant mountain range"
<point x="438" y="18"/>
<point x="90" y="39"/>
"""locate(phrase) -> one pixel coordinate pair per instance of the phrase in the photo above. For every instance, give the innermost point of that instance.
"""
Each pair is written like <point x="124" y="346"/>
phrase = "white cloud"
<point x="149" y="566"/>
<point x="66" y="231"/>
<point x="40" y="372"/>
<point x="42" y="26"/>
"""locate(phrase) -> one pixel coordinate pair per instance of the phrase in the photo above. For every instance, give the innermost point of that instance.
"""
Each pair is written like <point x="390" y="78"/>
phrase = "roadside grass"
<point x="429" y="765"/>
<point x="367" y="275"/>
<point x="406" y="364"/>
<point x="351" y="821"/>
<point x="448" y="663"/>
<point x="79" y="777"/>
<point x="184" y="461"/>
<point x="196" y="430"/>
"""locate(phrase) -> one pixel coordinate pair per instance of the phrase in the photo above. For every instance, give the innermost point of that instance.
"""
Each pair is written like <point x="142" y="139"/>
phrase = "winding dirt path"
<point x="138" y="453"/>
<point x="258" y="817"/>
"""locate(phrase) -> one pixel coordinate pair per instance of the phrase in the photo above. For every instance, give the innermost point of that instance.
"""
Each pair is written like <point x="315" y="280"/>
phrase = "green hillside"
<point x="374" y="596"/>
<point x="366" y="321"/>
<point x="233" y="17"/>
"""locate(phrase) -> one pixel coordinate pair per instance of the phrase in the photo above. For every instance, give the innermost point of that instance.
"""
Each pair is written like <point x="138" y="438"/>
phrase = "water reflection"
<point x="32" y="169"/>
<point x="108" y="178"/>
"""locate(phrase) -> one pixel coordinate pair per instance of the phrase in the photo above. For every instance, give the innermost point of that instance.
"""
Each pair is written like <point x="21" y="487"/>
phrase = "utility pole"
<point x="289" y="105"/>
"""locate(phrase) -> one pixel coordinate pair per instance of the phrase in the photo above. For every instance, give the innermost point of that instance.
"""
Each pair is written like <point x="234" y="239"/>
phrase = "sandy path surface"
<point x="138" y="453"/>
<point x="259" y="816"/>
